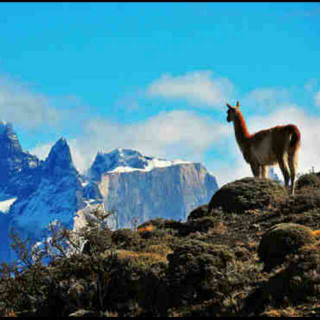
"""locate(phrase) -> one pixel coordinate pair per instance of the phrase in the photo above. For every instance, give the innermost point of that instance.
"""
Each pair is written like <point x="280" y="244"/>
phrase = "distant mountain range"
<point x="34" y="193"/>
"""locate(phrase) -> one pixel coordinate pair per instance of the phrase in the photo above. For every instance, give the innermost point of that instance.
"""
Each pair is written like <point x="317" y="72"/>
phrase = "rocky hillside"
<point x="252" y="250"/>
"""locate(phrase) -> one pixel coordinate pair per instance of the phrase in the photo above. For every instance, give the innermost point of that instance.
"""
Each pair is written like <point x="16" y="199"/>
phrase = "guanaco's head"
<point x="232" y="111"/>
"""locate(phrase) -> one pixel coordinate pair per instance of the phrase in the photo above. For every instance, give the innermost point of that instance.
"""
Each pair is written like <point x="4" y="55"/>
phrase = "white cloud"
<point x="22" y="107"/>
<point x="198" y="88"/>
<point x="42" y="150"/>
<point x="266" y="98"/>
<point x="311" y="84"/>
<point x="228" y="172"/>
<point x="171" y="135"/>
<point x="317" y="99"/>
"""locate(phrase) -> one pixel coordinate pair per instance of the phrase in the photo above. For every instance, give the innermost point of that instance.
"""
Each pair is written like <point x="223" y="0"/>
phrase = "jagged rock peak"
<point x="61" y="144"/>
<point x="3" y="126"/>
<point x="59" y="160"/>
<point x="118" y="158"/>
<point x="12" y="156"/>
<point x="15" y="165"/>
<point x="8" y="138"/>
<point x="124" y="157"/>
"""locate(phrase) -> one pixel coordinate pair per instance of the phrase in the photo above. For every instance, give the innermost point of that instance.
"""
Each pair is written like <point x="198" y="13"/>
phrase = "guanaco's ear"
<point x="238" y="104"/>
<point x="228" y="105"/>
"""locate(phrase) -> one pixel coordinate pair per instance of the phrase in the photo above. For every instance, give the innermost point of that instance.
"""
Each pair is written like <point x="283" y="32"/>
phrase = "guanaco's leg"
<point x="264" y="171"/>
<point x="292" y="161"/>
<point x="285" y="171"/>
<point x="255" y="168"/>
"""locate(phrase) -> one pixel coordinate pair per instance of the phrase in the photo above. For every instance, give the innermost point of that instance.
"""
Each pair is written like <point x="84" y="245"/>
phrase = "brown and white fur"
<point x="277" y="145"/>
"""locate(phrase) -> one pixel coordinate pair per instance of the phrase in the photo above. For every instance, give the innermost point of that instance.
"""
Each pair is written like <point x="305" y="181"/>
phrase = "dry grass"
<point x="9" y="314"/>
<point x="253" y="211"/>
<point x="219" y="228"/>
<point x="316" y="233"/>
<point x="252" y="244"/>
<point x="145" y="228"/>
<point x="161" y="249"/>
<point x="287" y="312"/>
<point x="146" y="257"/>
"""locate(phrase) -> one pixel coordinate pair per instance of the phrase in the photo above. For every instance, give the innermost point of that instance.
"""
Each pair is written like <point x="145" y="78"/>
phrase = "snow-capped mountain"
<point x="127" y="160"/>
<point x="34" y="193"/>
<point x="142" y="188"/>
<point x="57" y="197"/>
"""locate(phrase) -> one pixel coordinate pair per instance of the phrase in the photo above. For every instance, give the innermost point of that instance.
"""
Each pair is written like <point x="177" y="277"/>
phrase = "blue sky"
<point x="156" y="77"/>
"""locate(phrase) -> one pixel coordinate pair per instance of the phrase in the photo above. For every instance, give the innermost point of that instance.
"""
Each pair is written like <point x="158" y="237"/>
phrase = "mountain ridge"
<point x="36" y="192"/>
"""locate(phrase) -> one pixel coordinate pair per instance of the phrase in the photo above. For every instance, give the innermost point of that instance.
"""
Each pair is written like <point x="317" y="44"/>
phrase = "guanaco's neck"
<point x="241" y="130"/>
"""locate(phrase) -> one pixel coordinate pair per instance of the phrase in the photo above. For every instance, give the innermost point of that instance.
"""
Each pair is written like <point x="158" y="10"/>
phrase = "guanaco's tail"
<point x="295" y="137"/>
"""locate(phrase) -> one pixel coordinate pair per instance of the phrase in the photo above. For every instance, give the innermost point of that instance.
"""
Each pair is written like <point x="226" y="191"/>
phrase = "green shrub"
<point x="203" y="211"/>
<point x="296" y="282"/>
<point x="126" y="239"/>
<point x="193" y="270"/>
<point x="203" y="224"/>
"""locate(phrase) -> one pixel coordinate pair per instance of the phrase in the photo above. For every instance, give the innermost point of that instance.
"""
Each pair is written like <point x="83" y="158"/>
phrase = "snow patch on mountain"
<point x="47" y="204"/>
<point x="151" y="164"/>
<point x="127" y="160"/>
<point x="6" y="204"/>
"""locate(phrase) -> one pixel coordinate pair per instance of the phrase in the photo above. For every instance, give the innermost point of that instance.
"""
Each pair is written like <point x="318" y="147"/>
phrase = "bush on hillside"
<point x="281" y="240"/>
<point x="308" y="180"/>
<point x="193" y="271"/>
<point x="296" y="282"/>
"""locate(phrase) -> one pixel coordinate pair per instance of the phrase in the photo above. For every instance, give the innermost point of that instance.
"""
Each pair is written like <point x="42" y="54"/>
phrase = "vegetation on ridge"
<point x="252" y="251"/>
